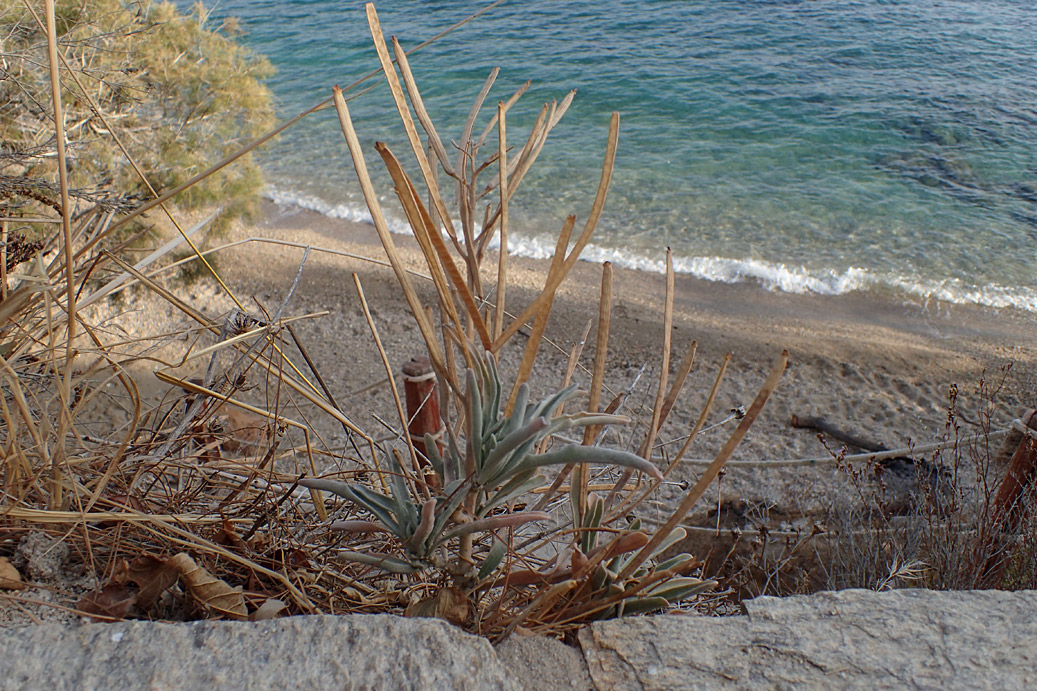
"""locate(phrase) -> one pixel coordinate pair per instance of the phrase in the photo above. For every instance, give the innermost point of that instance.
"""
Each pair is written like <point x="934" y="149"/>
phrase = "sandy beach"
<point x="873" y="365"/>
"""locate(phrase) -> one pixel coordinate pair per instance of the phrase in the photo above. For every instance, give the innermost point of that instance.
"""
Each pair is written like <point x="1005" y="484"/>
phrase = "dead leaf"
<point x="450" y="604"/>
<point x="153" y="577"/>
<point x="10" y="579"/>
<point x="627" y="542"/>
<point x="112" y="601"/>
<point x="210" y="592"/>
<point x="523" y="577"/>
<point x="130" y="502"/>
<point x="228" y="537"/>
<point x="268" y="610"/>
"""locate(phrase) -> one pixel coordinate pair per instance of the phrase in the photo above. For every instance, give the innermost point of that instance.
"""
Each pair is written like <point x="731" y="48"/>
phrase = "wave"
<point x="769" y="275"/>
<point x="356" y="213"/>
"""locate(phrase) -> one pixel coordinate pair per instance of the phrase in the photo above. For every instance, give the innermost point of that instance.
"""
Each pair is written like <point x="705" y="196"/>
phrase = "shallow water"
<point x="824" y="146"/>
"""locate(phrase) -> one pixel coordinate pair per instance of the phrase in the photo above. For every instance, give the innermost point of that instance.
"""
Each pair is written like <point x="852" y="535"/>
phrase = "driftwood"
<point x="1010" y="505"/>
<point x="900" y="465"/>
<point x="829" y="430"/>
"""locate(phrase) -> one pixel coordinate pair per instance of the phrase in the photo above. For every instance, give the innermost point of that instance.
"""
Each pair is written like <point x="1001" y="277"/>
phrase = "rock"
<point x="909" y="638"/>
<point x="44" y="557"/>
<point x="904" y="638"/>
<point x="538" y="662"/>
<point x="849" y="639"/>
<point x="310" y="652"/>
<point x="667" y="652"/>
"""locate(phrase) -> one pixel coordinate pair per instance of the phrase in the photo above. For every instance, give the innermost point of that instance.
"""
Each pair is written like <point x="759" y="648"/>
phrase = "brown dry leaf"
<point x="153" y="576"/>
<point x="10" y="579"/>
<point x="622" y="544"/>
<point x="130" y="502"/>
<point x="245" y="432"/>
<point x="210" y="592"/>
<point x="112" y="601"/>
<point x="523" y="577"/>
<point x="450" y="604"/>
<point x="268" y="610"/>
<point x="228" y="537"/>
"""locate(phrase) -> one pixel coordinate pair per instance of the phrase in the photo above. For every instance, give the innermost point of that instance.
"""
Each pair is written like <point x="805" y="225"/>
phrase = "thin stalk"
<point x="540" y="324"/>
<point x="417" y="480"/>
<point x="502" y="260"/>
<point x="713" y="470"/>
<point x="3" y="259"/>
<point x="660" y="394"/>
<point x="705" y="413"/>
<point x="408" y="122"/>
<point x="630" y="505"/>
<point x="371" y="197"/>
<point x="664" y="367"/>
<point x="678" y="382"/>
<point x="320" y="381"/>
<point x="65" y="420"/>
<point x="581" y="242"/>
<point x="600" y="349"/>
<point x="582" y="477"/>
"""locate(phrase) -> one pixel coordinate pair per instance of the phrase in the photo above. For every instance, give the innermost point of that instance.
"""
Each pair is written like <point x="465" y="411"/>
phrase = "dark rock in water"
<point x="947" y="172"/>
<point x="1025" y="191"/>
<point x="1027" y="219"/>
<point x="926" y="131"/>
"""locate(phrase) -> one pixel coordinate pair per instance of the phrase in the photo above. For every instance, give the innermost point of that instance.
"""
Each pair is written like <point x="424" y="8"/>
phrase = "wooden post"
<point x="1007" y="511"/>
<point x="419" y="386"/>
<point x="1008" y="508"/>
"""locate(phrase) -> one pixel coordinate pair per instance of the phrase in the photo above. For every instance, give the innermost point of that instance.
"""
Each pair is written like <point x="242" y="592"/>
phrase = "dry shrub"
<point x="944" y="520"/>
<point x="934" y="523"/>
<point x="953" y="536"/>
<point x="199" y="504"/>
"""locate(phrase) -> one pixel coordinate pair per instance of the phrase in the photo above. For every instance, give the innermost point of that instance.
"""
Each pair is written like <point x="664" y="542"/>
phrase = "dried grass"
<point x="206" y="478"/>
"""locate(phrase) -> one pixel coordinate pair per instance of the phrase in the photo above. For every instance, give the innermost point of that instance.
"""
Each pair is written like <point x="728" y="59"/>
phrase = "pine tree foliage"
<point x="178" y="91"/>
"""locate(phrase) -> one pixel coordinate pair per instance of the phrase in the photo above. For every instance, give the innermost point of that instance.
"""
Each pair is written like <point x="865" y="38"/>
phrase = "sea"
<point x="814" y="146"/>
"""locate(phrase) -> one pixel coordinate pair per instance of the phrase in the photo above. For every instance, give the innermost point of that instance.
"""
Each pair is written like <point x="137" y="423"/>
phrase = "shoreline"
<point x="878" y="368"/>
<point x="736" y="304"/>
<point x="754" y="323"/>
<point x="772" y="277"/>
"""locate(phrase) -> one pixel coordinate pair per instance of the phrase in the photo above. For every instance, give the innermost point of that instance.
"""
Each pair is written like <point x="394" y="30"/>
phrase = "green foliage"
<point x="177" y="92"/>
<point x="668" y="590"/>
<point x="478" y="486"/>
<point x="497" y="465"/>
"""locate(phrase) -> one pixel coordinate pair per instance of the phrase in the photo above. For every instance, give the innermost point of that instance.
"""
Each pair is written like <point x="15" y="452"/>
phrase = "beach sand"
<point x="877" y="366"/>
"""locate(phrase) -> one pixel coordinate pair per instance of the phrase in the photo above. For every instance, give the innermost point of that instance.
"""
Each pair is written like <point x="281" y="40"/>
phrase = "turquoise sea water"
<point x="827" y="146"/>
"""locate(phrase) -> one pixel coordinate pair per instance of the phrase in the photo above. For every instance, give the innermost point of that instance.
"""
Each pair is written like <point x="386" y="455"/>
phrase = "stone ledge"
<point x="848" y="639"/>
<point x="311" y="652"/>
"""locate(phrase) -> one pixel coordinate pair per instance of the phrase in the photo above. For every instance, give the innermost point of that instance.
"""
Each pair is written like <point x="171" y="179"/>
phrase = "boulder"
<point x="310" y="652"/>
<point x="908" y="638"/>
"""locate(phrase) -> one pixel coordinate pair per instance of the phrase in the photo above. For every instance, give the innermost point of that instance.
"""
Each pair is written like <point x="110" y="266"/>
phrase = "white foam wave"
<point x="772" y="276"/>
<point x="796" y="279"/>
<point x="355" y="212"/>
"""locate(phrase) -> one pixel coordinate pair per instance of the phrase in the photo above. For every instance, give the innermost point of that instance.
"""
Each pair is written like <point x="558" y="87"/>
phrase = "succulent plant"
<point x="594" y="571"/>
<point x="497" y="465"/>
